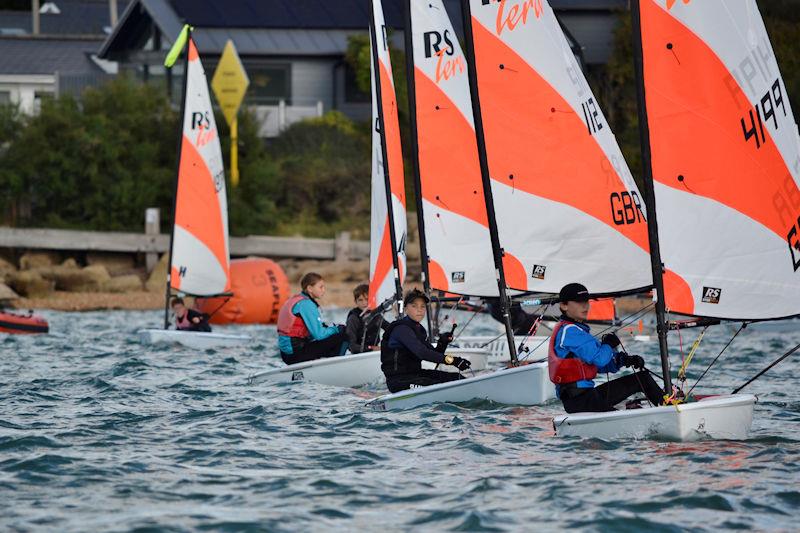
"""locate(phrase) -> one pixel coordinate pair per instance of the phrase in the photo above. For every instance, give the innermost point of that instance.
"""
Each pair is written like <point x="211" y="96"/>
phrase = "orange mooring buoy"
<point x="259" y="288"/>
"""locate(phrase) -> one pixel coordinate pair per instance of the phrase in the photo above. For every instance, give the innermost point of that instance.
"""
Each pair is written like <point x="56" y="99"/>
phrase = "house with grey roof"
<point x="52" y="50"/>
<point x="293" y="50"/>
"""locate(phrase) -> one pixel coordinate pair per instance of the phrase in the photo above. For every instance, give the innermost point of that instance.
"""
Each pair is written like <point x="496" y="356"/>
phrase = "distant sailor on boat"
<point x="405" y="346"/>
<point x="188" y="319"/>
<point x="302" y="335"/>
<point x="363" y="326"/>
<point x="575" y="357"/>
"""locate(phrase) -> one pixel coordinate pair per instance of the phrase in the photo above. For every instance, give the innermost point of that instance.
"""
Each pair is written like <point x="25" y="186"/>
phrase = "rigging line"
<point x="781" y="358"/>
<point x="532" y="331"/>
<point x="464" y="327"/>
<point x="214" y="312"/>
<point x="641" y="387"/>
<point x="628" y="320"/>
<point x="744" y="325"/>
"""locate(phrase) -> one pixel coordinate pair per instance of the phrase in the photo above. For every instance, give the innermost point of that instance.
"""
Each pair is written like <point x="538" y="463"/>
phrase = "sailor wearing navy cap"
<point x="575" y="357"/>
<point x="405" y="346"/>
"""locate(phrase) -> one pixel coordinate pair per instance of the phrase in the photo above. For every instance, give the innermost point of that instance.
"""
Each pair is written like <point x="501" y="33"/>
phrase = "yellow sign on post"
<point x="230" y="83"/>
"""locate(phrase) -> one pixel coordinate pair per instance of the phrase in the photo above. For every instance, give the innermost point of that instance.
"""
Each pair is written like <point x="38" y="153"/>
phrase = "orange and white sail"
<point x="200" y="254"/>
<point x="725" y="160"/>
<point x="567" y="207"/>
<point x="385" y="140"/>
<point x="458" y="245"/>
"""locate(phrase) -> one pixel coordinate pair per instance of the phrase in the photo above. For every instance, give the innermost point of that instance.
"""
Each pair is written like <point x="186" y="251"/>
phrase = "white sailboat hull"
<point x="192" y="339"/>
<point x="523" y="385"/>
<point x="717" y="417"/>
<point x="498" y="346"/>
<point x="352" y="370"/>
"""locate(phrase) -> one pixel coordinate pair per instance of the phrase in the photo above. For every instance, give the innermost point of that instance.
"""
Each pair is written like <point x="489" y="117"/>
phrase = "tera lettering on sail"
<point x="511" y="16"/>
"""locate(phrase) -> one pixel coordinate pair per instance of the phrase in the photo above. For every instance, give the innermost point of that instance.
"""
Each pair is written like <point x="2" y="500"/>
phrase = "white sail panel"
<point x="456" y="226"/>
<point x="382" y="275"/>
<point x="548" y="144"/>
<point x="725" y="159"/>
<point x="200" y="253"/>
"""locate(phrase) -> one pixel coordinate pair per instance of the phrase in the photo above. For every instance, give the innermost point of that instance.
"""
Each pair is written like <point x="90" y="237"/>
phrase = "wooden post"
<point x="341" y="246"/>
<point x="152" y="226"/>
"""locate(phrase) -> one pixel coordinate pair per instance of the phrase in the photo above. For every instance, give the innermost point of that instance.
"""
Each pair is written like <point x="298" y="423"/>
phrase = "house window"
<point x="269" y="84"/>
<point x="352" y="93"/>
<point x="5" y="97"/>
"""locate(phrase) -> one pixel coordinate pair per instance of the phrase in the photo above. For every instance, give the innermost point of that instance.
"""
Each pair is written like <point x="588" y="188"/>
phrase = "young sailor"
<point x="363" y="327"/>
<point x="575" y="357"/>
<point x="405" y="346"/>
<point x="302" y="336"/>
<point x="188" y="319"/>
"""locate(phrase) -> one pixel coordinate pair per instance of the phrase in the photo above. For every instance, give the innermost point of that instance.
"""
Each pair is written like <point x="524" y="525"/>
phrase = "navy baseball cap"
<point x="573" y="292"/>
<point x="415" y="294"/>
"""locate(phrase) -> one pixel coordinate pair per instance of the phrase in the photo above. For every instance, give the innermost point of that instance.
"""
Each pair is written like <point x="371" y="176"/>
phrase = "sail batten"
<point x="725" y="161"/>
<point x="199" y="260"/>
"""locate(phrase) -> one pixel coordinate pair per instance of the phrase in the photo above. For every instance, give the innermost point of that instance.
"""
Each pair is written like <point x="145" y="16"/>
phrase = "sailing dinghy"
<point x="387" y="232"/>
<point x="720" y="150"/>
<point x="457" y="223"/>
<point x="199" y="261"/>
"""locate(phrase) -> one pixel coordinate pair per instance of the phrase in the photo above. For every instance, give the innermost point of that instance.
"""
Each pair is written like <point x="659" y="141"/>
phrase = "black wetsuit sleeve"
<point x="202" y="325"/>
<point x="351" y="328"/>
<point x="405" y="336"/>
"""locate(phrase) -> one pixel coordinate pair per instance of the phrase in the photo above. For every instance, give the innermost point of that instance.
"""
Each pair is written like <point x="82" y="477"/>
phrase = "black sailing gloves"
<point x="459" y="362"/>
<point x="636" y="361"/>
<point x="611" y="339"/>
<point x="623" y="359"/>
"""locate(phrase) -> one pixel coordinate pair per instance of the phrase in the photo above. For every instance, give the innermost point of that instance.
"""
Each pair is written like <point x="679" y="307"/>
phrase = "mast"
<point x="384" y="154"/>
<point x="412" y="105"/>
<point x="177" y="175"/>
<point x="650" y="197"/>
<point x="497" y="251"/>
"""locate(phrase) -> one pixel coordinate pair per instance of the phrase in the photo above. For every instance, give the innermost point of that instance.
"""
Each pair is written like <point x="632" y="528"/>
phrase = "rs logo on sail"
<point x="202" y="123"/>
<point x="516" y="13"/>
<point x="445" y="68"/>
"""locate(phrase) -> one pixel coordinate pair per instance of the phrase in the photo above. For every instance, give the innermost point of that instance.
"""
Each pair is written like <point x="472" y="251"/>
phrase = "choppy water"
<point x="98" y="433"/>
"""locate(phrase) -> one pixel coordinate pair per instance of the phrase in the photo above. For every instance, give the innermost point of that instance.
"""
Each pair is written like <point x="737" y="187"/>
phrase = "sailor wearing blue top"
<point x="302" y="335"/>
<point x="575" y="357"/>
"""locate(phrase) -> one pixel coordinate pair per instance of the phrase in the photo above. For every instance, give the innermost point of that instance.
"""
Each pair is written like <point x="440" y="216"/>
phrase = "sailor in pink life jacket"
<point x="188" y="319"/>
<point x="575" y="357"/>
<point x="302" y="335"/>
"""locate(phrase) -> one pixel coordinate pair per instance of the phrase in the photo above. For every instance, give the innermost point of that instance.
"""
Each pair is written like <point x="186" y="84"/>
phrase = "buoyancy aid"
<point x="570" y="368"/>
<point x="183" y="322"/>
<point x="400" y="360"/>
<point x="289" y="324"/>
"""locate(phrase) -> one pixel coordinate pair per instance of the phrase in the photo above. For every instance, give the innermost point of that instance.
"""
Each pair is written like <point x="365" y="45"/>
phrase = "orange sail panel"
<point x="385" y="136"/>
<point x="567" y="207"/>
<point x="602" y="309"/>
<point x="725" y="160"/>
<point x="456" y="226"/>
<point x="200" y="258"/>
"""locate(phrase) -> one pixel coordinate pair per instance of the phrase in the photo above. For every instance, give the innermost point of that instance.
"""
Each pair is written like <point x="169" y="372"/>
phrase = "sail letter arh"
<point x="382" y="283"/>
<point x="567" y="207"/>
<point x="725" y="160"/>
<point x="200" y="260"/>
